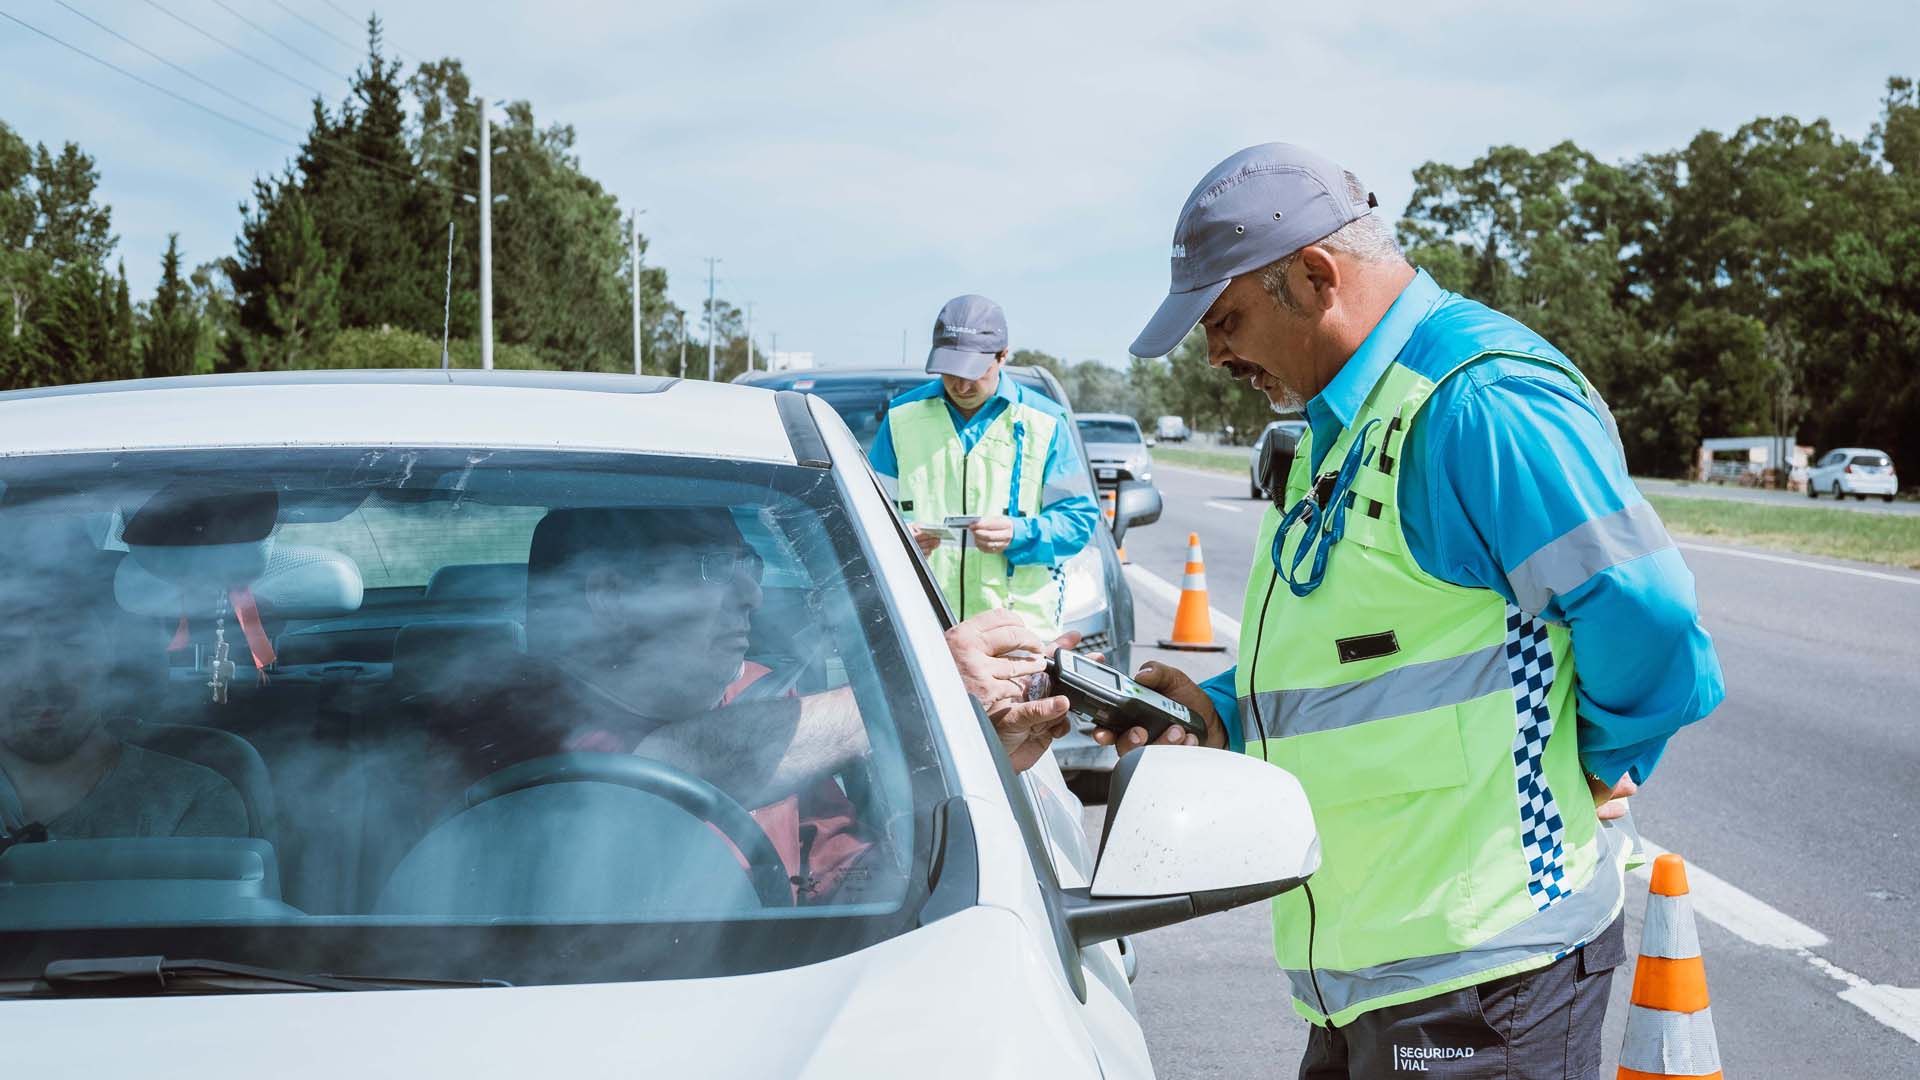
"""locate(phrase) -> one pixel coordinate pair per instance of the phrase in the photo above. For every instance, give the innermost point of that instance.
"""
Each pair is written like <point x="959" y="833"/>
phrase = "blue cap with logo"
<point x="1260" y="205"/>
<point x="968" y="333"/>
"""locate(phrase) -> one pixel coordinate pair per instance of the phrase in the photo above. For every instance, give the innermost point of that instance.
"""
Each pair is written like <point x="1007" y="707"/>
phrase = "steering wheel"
<point x="657" y="778"/>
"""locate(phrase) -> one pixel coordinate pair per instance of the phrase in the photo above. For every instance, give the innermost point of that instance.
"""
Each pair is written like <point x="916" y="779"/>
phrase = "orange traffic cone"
<point x="1669" y="1026"/>
<point x="1109" y="500"/>
<point x="1193" y="619"/>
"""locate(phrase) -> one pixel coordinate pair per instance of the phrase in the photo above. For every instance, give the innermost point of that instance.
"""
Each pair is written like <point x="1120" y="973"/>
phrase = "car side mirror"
<point x="1191" y="832"/>
<point x="1136" y="502"/>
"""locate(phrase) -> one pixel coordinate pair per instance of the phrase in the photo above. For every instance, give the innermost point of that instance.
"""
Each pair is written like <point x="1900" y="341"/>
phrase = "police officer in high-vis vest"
<point x="1457" y="538"/>
<point x="975" y="444"/>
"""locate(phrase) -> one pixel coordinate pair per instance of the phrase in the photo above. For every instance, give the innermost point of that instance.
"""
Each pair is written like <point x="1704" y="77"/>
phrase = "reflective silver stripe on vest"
<point x="1554" y="932"/>
<point x="1414" y="688"/>
<point x="1053" y="493"/>
<point x="1570" y="561"/>
<point x="1670" y="1043"/>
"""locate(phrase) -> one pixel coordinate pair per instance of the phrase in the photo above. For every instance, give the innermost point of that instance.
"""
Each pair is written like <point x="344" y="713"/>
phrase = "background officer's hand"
<point x="1610" y="804"/>
<point x="1175" y="684"/>
<point x="922" y="539"/>
<point x="992" y="534"/>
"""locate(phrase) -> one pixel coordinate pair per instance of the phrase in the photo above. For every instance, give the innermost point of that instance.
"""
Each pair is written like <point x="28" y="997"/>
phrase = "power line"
<point x="314" y="143"/>
<point x="348" y="45"/>
<point x="283" y="43"/>
<point x="223" y="93"/>
<point x="232" y="48"/>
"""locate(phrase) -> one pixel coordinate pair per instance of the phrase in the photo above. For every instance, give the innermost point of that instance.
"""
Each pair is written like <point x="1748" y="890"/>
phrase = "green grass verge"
<point x="1891" y="539"/>
<point x="1225" y="460"/>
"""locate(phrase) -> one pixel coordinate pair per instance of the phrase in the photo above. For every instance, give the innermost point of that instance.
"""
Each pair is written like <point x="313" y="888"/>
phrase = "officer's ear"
<point x="1001" y="356"/>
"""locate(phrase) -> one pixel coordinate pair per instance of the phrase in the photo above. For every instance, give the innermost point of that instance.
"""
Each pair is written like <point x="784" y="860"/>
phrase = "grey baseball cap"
<point x="1261" y="204"/>
<point x="968" y="333"/>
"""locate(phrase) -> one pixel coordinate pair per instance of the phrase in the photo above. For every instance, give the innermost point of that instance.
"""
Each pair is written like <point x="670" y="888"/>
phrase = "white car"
<point x="412" y="774"/>
<point x="1854" y="471"/>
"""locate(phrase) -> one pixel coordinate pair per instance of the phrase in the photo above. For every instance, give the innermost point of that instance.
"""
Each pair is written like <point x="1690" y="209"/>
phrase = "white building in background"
<point x="789" y="361"/>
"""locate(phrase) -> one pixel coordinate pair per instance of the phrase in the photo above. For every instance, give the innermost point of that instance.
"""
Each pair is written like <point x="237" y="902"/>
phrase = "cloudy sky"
<point x="855" y="164"/>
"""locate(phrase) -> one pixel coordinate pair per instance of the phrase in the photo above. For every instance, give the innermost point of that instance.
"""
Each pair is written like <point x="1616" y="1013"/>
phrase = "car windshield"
<point x="530" y="716"/>
<point x="1109" y="431"/>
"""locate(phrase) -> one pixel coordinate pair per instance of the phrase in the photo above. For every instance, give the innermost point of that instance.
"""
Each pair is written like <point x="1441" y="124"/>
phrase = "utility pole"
<point x="639" y="350"/>
<point x="446" y="317"/>
<point x="749" y="335"/>
<point x="486" y="236"/>
<point x="683" y="344"/>
<point x="773" y="346"/>
<point x="903" y="348"/>
<point x="711" y="370"/>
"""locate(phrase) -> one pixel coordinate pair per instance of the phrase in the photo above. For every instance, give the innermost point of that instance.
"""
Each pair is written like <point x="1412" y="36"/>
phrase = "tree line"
<point x="1752" y="283"/>
<point x="341" y="258"/>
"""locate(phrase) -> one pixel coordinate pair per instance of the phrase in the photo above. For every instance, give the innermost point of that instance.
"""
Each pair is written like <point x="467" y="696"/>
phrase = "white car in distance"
<point x="1854" y="471"/>
<point x="431" y="648"/>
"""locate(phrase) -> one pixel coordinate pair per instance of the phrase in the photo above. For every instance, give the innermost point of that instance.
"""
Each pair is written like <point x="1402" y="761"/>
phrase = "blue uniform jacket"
<point x="1507" y="458"/>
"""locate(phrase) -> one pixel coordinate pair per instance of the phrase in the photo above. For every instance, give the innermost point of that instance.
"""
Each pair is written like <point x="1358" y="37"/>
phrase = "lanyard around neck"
<point x="1324" y="522"/>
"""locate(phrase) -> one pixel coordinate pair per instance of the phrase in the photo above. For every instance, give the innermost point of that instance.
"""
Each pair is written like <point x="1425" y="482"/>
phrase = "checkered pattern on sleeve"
<point x="1542" y="833"/>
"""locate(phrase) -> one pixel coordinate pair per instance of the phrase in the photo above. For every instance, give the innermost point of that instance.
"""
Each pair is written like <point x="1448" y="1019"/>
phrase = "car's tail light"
<point x="1848" y="470"/>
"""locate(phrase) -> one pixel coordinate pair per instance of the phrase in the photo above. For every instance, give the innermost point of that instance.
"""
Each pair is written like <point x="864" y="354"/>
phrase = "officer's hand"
<point x="923" y="540"/>
<point x="992" y="534"/>
<point x="1610" y="803"/>
<point x="980" y="646"/>
<point x="1175" y="684"/>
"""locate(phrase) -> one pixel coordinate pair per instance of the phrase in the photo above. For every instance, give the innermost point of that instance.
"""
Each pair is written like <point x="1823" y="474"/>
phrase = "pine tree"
<point x="173" y="329"/>
<point x="286" y="284"/>
<point x="374" y="212"/>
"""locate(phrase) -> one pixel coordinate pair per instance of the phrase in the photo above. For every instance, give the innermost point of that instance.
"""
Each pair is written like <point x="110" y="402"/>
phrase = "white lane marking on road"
<point x="1736" y="553"/>
<point x="1223" y="624"/>
<point x="1184" y="471"/>
<point x="1753" y="919"/>
<point x="1223" y="506"/>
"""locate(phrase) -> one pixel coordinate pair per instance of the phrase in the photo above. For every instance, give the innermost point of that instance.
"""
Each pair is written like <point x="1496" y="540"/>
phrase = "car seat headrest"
<point x="294" y="582"/>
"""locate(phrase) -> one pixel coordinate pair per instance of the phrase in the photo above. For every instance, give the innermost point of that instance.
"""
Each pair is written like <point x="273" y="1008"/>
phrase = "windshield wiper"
<point x="158" y="974"/>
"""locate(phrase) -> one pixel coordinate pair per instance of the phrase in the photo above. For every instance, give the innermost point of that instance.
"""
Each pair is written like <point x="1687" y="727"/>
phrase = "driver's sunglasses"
<point x="722" y="567"/>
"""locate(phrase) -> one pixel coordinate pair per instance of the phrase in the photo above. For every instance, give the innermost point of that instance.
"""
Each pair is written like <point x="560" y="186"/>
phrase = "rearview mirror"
<point x="1136" y="502"/>
<point x="1190" y="832"/>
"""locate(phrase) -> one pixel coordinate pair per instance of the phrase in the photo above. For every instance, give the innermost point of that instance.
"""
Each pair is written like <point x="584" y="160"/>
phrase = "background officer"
<point x="974" y="444"/>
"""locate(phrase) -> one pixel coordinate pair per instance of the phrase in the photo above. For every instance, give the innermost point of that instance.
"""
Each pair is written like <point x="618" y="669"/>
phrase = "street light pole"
<point x="749" y="335"/>
<point x="683" y="344"/>
<point x="711" y="371"/>
<point x="486" y="236"/>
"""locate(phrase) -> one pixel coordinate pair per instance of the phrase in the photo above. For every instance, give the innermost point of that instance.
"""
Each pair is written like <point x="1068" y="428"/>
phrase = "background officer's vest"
<point x="1432" y="727"/>
<point x="1004" y="475"/>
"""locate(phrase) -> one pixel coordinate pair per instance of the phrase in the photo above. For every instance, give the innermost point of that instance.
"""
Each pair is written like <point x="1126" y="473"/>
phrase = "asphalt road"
<point x="1870" y="505"/>
<point x="1797" y="805"/>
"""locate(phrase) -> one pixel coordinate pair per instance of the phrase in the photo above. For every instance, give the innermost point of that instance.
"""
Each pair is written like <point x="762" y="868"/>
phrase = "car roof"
<point x="1856" y="450"/>
<point x="1030" y="374"/>
<point x="1118" y="417"/>
<point x="468" y="408"/>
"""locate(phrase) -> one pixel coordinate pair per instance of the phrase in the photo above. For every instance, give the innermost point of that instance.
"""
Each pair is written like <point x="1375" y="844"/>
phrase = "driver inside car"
<point x="639" y="621"/>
